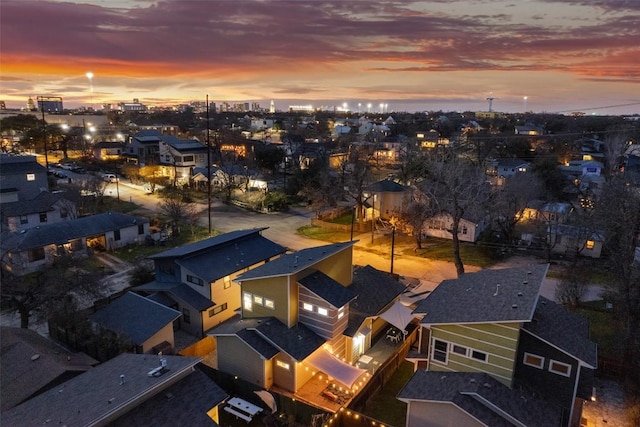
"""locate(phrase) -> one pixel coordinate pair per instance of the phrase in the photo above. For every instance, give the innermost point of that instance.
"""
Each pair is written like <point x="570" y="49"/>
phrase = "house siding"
<point x="164" y="334"/>
<point x="237" y="358"/>
<point x="328" y="326"/>
<point x="498" y="341"/>
<point x="551" y="386"/>
<point x="273" y="288"/>
<point x="282" y="377"/>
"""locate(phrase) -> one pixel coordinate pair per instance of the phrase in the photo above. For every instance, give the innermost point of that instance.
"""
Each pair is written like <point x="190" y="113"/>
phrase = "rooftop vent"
<point x="519" y="294"/>
<point x="514" y="306"/>
<point x="497" y="289"/>
<point x="525" y="282"/>
<point x="35" y="357"/>
<point x="486" y="385"/>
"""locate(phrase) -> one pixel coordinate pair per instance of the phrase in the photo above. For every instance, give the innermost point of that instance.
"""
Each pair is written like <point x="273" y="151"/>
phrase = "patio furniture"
<point x="242" y="409"/>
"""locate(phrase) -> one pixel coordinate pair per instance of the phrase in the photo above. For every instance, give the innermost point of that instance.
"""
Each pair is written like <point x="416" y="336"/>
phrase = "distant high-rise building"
<point x="272" y="107"/>
<point x="132" y="106"/>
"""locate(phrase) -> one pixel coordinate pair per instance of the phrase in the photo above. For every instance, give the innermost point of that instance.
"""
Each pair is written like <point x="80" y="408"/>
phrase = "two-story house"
<point x="21" y="178"/>
<point x="143" y="148"/>
<point x="197" y="279"/>
<point x="179" y="158"/>
<point x="304" y="313"/>
<point x="495" y="322"/>
<point x="45" y="208"/>
<point x="385" y="198"/>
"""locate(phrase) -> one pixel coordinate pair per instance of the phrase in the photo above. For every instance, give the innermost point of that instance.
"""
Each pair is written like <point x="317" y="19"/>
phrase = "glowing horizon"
<point x="539" y="55"/>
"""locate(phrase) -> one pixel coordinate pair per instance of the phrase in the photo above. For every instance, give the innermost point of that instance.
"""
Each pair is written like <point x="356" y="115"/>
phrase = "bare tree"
<point x="457" y="187"/>
<point x="177" y="211"/>
<point x="416" y="209"/>
<point x="40" y="293"/>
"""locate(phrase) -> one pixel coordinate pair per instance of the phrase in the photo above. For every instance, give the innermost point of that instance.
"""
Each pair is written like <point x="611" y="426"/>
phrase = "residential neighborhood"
<point x="449" y="276"/>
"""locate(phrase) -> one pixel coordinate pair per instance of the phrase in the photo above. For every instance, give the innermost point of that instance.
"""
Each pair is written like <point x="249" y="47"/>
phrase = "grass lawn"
<point x="319" y="233"/>
<point x="603" y="328"/>
<point x="384" y="406"/>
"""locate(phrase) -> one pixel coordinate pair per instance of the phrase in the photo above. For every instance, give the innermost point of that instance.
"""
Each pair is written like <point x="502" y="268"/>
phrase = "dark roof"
<point x="511" y="163"/>
<point x="62" y="232"/>
<point x="31" y="363"/>
<point x="185" y="403"/>
<point x="191" y="297"/>
<point x="187" y="145"/>
<point x="206" y="244"/>
<point x="506" y="295"/>
<point x="294" y="262"/>
<point x="97" y="394"/>
<point x="135" y="316"/>
<point x="567" y="331"/>
<point x="227" y="258"/>
<point x="481" y="396"/>
<point x="386" y="186"/>
<point x="375" y="289"/>
<point x="328" y="289"/>
<point x="298" y="341"/>
<point x="43" y="202"/>
<point x="259" y="344"/>
<point x="13" y="165"/>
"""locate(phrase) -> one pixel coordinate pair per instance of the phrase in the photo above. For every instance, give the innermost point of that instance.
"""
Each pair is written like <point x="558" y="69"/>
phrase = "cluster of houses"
<point x="487" y="349"/>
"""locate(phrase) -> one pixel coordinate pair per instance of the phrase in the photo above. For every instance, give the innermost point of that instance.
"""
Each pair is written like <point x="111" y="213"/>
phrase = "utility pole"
<point x="393" y="243"/>
<point x="208" y="167"/>
<point x="44" y="133"/>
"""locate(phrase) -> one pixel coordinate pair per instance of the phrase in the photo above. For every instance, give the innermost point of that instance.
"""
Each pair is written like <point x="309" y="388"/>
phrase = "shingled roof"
<point x="65" y="231"/>
<point x="328" y="289"/>
<point x="135" y="316"/>
<point x="298" y="341"/>
<point x="482" y="397"/>
<point x="294" y="262"/>
<point x="567" y="331"/>
<point x="505" y="295"/>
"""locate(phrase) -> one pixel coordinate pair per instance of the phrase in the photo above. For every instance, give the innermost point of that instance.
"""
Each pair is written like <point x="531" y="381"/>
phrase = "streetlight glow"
<point x="90" y="77"/>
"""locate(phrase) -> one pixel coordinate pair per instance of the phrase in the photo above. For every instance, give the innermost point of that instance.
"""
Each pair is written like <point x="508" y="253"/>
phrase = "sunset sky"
<point x="563" y="56"/>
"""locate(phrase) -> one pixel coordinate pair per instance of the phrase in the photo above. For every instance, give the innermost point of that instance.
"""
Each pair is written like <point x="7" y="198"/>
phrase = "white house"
<point x="469" y="229"/>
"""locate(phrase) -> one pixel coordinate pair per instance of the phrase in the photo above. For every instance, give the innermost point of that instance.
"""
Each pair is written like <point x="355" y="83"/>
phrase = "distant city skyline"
<point x="465" y="55"/>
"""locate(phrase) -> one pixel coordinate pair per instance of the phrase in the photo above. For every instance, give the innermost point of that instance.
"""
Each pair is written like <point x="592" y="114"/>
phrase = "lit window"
<point x="217" y="309"/>
<point x="31" y="177"/>
<point x="440" y="351"/>
<point x="307" y="306"/>
<point x="590" y="244"/>
<point x="247" y="301"/>
<point x="282" y="364"/>
<point x="269" y="304"/>
<point x="533" y="360"/>
<point x="478" y="355"/>
<point x="227" y="282"/>
<point x="560" y="368"/>
<point x="257" y="299"/>
<point x="341" y="315"/>
<point x="323" y="311"/>
<point x="458" y="349"/>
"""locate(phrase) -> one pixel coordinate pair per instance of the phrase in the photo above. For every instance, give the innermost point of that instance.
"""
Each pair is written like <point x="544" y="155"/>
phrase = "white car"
<point x="109" y="177"/>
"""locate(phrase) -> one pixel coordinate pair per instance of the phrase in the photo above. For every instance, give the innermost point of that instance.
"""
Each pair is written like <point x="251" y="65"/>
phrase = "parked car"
<point x="109" y="177"/>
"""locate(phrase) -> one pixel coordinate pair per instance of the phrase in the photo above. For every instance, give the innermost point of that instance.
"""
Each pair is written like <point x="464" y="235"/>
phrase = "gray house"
<point x="45" y="208"/>
<point x="21" y="178"/>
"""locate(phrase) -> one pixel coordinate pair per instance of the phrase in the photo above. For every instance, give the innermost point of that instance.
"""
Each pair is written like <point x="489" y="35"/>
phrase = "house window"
<point x="458" y="349"/>
<point x="590" y="244"/>
<point x="478" y="355"/>
<point x="186" y="316"/>
<point x="258" y="300"/>
<point x="217" y="309"/>
<point x="439" y="351"/>
<point x="323" y="311"/>
<point x="140" y="229"/>
<point x="307" y="306"/>
<point x="341" y="313"/>
<point x="43" y="217"/>
<point x="247" y="301"/>
<point x="195" y="280"/>
<point x="560" y="368"/>
<point x="269" y="304"/>
<point x="36" y="254"/>
<point x="227" y="282"/>
<point x="31" y="177"/>
<point x="282" y="364"/>
<point x="464" y="230"/>
<point x="533" y="360"/>
<point x="116" y="235"/>
<point x="187" y="159"/>
<point x="24" y="219"/>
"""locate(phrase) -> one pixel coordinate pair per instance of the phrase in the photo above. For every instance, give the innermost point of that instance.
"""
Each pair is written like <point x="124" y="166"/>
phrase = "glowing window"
<point x="282" y="364"/>
<point x="258" y="300"/>
<point x="247" y="301"/>
<point x="590" y="244"/>
<point x="269" y="304"/>
<point x="560" y="368"/>
<point x="31" y="177"/>
<point x="307" y="306"/>
<point x="227" y="282"/>
<point x="341" y="315"/>
<point x="323" y="311"/>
